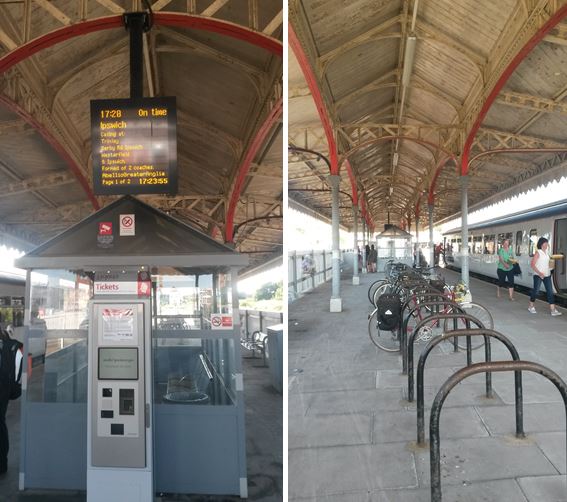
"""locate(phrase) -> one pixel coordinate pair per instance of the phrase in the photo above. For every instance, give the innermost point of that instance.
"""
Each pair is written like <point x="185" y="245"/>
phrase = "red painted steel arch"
<point x="321" y="108"/>
<point x="58" y="147"/>
<point x="524" y="51"/>
<point x="257" y="142"/>
<point x="110" y="22"/>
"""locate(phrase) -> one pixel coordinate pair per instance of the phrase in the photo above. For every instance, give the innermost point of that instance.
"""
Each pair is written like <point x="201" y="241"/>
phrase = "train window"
<point x="519" y="235"/>
<point x="533" y="241"/>
<point x="477" y="244"/>
<point x="489" y="244"/>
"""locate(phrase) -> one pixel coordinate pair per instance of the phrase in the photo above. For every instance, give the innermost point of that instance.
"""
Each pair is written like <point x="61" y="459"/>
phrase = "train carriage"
<point x="523" y="229"/>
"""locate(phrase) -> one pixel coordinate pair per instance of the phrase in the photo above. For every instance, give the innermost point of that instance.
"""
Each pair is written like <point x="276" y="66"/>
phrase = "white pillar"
<point x="336" y="302"/>
<point x="355" y="277"/>
<point x="431" y="243"/>
<point x="464" y="230"/>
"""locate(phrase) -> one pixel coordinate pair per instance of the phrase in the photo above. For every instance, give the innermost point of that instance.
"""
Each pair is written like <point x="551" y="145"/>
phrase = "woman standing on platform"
<point x="542" y="273"/>
<point x="505" y="269"/>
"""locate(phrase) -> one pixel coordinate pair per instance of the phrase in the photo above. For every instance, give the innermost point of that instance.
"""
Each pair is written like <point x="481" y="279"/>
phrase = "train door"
<point x="560" y="247"/>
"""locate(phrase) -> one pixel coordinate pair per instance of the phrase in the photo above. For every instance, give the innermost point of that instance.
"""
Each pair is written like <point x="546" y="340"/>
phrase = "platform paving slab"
<point x="344" y="469"/>
<point x="537" y="417"/>
<point x="331" y="430"/>
<point x="549" y="488"/>
<point x="553" y="446"/>
<point x="482" y="459"/>
<point x="490" y="491"/>
<point x="459" y="422"/>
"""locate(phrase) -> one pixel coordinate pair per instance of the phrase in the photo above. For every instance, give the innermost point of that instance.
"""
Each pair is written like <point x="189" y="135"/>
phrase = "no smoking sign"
<point x="221" y="321"/>
<point x="127" y="224"/>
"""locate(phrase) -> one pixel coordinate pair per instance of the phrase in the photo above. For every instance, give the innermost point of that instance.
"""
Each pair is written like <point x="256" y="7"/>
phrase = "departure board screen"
<point x="134" y="146"/>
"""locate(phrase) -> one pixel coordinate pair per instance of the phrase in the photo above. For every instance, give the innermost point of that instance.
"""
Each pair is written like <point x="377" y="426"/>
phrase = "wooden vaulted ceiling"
<point x="405" y="141"/>
<point x="226" y="89"/>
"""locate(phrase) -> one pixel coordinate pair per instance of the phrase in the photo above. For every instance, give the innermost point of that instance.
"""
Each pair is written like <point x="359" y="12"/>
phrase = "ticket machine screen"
<point x="118" y="363"/>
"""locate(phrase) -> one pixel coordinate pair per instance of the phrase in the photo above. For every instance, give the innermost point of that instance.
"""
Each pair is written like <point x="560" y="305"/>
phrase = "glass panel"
<point x="60" y="374"/>
<point x="477" y="244"/>
<point x="519" y="235"/>
<point x="533" y="241"/>
<point x="59" y="301"/>
<point x="489" y="244"/>
<point x="194" y="371"/>
<point x="186" y="301"/>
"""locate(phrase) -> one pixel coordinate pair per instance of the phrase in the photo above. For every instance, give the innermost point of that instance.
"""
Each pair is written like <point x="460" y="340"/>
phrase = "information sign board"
<point x="134" y="146"/>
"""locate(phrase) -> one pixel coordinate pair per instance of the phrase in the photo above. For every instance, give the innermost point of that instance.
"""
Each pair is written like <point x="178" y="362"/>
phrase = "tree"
<point x="266" y="291"/>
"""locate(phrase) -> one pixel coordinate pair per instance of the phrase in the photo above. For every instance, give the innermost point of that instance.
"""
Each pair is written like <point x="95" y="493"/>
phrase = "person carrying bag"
<point x="505" y="270"/>
<point x="542" y="273"/>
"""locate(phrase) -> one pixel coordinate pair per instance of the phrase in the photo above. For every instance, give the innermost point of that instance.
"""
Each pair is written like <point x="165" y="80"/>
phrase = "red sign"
<point x="105" y="228"/>
<point x="144" y="284"/>
<point x="221" y="321"/>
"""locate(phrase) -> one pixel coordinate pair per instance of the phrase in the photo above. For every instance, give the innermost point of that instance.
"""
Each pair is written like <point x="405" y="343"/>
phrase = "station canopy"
<point x="221" y="59"/>
<point x="407" y="91"/>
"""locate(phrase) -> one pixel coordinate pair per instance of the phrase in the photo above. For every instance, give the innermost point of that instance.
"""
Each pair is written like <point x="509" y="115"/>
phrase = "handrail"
<point x="467" y="332"/>
<point x="434" y="447"/>
<point x="468" y="319"/>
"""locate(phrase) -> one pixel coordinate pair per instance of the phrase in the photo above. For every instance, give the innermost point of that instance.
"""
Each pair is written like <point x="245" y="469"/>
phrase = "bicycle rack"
<point x="486" y="333"/>
<point x="404" y="331"/>
<point x="468" y="319"/>
<point x="434" y="447"/>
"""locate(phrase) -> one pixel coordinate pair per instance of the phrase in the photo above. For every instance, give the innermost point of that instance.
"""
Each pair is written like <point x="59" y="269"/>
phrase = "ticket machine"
<point x="119" y="449"/>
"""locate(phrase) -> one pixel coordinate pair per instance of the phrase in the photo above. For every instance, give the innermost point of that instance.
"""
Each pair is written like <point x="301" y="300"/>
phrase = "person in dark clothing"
<point x="6" y="381"/>
<point x="4" y="400"/>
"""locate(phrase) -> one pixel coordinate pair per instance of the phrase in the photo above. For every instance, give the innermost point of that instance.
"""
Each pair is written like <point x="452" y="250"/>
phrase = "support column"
<point x="355" y="277"/>
<point x="364" y="246"/>
<point x="417" y="247"/>
<point x="336" y="302"/>
<point x="464" y="229"/>
<point x="431" y="243"/>
<point x="294" y="274"/>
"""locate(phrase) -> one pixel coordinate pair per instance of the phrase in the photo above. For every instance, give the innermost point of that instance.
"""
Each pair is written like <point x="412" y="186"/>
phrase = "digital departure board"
<point x="134" y="146"/>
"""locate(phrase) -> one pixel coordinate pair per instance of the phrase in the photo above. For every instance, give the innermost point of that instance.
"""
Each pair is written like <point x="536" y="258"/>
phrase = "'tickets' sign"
<point x="134" y="146"/>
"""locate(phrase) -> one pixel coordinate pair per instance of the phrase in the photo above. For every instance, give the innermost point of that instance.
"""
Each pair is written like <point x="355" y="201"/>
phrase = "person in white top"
<point x="542" y="273"/>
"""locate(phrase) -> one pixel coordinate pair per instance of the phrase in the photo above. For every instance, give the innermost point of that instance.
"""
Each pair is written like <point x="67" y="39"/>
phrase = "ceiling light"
<point x="408" y="60"/>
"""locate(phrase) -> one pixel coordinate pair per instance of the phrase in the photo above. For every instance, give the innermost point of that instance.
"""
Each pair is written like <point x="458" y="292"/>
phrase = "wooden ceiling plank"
<point x="54" y="11"/>
<point x="367" y="36"/>
<point x="206" y="50"/>
<point x="274" y="24"/>
<point x="160" y="4"/>
<point x="212" y="9"/>
<point x="6" y="41"/>
<point x="111" y="6"/>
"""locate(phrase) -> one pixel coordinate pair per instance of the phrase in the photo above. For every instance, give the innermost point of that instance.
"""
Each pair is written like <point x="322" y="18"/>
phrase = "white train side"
<point x="523" y="230"/>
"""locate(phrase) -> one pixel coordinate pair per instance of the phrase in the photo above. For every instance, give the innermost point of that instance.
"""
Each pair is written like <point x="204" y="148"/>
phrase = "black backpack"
<point x="388" y="315"/>
<point x="8" y="378"/>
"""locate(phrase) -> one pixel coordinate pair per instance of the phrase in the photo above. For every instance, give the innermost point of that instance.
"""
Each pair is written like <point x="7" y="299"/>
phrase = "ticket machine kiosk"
<point x="137" y="389"/>
<point x="119" y="449"/>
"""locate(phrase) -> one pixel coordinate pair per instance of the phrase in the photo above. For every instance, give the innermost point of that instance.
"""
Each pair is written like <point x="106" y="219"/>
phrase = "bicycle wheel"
<point x="382" y="289"/>
<point x="388" y="341"/>
<point x="372" y="289"/>
<point x="479" y="312"/>
<point x="427" y="330"/>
